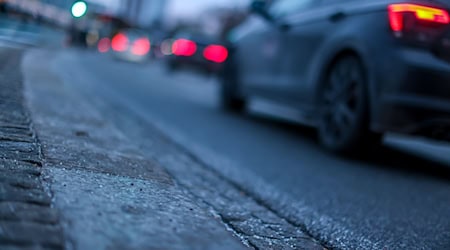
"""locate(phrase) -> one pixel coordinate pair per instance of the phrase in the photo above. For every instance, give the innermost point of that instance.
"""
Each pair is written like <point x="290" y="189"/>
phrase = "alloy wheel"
<point x="343" y="102"/>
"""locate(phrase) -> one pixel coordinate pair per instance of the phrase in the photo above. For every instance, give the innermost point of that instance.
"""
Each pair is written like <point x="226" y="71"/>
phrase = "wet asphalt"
<point x="396" y="198"/>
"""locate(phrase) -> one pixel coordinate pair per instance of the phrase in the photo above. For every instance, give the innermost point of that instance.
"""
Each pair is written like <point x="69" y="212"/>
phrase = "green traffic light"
<point x="79" y="9"/>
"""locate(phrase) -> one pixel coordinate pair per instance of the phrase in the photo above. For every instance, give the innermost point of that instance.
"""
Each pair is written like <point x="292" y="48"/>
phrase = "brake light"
<point x="119" y="42"/>
<point x="423" y="13"/>
<point x="184" y="47"/>
<point x="215" y="53"/>
<point x="141" y="47"/>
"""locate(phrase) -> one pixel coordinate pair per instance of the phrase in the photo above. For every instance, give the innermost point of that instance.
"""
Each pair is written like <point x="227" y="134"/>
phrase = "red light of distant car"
<point x="103" y="45"/>
<point x="141" y="47"/>
<point x="184" y="47"/>
<point x="215" y="53"/>
<point x="424" y="13"/>
<point x="119" y="42"/>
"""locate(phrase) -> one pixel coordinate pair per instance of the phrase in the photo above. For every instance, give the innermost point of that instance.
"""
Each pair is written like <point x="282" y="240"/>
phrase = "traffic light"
<point x="79" y="9"/>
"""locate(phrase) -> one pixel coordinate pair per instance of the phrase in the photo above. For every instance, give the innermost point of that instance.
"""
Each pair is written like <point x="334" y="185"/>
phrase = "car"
<point x="197" y="51"/>
<point x="354" y="69"/>
<point x="130" y="45"/>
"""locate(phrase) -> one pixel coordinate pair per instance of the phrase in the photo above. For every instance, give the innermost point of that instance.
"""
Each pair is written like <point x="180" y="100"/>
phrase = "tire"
<point x="343" y="126"/>
<point x="231" y="99"/>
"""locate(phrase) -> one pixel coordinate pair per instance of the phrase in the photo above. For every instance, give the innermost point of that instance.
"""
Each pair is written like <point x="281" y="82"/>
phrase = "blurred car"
<point x="355" y="69"/>
<point x="131" y="45"/>
<point x="196" y="51"/>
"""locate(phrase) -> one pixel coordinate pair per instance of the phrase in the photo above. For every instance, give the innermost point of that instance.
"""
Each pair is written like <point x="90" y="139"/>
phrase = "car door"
<point x="310" y="31"/>
<point x="307" y="29"/>
<point x="304" y="29"/>
<point x="253" y="56"/>
<point x="261" y="52"/>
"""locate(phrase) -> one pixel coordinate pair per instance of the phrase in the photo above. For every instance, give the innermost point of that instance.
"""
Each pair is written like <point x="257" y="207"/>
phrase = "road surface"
<point x="399" y="197"/>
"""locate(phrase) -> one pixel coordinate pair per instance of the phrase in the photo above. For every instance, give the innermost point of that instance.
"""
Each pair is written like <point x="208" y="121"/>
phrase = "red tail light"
<point x="103" y="45"/>
<point x="215" y="53"/>
<point x="119" y="42"/>
<point x="422" y="13"/>
<point x="184" y="47"/>
<point x="141" y="47"/>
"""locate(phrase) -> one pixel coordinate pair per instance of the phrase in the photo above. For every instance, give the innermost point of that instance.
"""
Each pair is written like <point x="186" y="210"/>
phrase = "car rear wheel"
<point x="230" y="97"/>
<point x="344" y="112"/>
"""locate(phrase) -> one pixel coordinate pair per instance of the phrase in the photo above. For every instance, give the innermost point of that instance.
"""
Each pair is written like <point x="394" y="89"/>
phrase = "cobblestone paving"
<point x="27" y="220"/>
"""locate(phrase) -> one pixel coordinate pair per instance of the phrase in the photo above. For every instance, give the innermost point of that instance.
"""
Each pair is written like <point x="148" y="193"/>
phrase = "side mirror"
<point x="259" y="7"/>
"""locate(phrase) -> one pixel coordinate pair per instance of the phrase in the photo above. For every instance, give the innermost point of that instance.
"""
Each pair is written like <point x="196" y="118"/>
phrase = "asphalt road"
<point x="397" y="198"/>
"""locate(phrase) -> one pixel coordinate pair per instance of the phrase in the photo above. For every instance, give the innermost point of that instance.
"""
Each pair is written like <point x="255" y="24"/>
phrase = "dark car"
<point x="355" y="69"/>
<point x="197" y="51"/>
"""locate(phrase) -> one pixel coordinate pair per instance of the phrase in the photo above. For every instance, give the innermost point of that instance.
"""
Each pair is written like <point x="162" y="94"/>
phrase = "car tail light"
<point x="397" y="14"/>
<point x="184" y="47"/>
<point x="141" y="47"/>
<point x="215" y="53"/>
<point x="119" y="42"/>
<point x="103" y="45"/>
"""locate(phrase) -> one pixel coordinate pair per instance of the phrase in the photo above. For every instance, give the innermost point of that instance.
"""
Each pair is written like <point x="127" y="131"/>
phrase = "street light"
<point x="79" y="9"/>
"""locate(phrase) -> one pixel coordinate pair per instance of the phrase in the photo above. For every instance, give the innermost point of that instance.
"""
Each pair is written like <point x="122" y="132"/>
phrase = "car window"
<point x="286" y="7"/>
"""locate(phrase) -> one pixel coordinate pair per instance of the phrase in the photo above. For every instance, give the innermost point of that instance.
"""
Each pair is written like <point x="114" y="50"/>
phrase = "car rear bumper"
<point x="416" y="115"/>
<point x="129" y="57"/>
<point x="195" y="62"/>
<point x="415" y="96"/>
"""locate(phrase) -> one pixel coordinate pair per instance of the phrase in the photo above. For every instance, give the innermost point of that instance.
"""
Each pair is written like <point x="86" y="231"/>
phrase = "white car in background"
<point x="131" y="45"/>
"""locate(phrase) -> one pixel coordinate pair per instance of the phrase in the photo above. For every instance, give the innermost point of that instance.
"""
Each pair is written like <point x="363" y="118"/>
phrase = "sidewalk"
<point x="107" y="198"/>
<point x="109" y="194"/>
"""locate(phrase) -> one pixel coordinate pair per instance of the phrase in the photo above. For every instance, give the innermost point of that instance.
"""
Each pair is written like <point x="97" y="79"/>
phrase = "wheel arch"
<point x="331" y="57"/>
